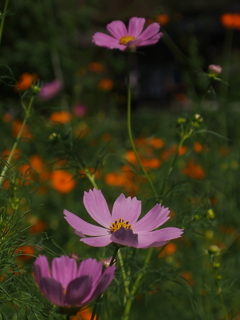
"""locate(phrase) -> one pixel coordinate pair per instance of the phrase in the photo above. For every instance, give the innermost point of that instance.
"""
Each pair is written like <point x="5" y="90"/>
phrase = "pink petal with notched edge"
<point x="117" y="29"/>
<point x="104" y="40"/>
<point x="135" y="26"/>
<point x="155" y="217"/>
<point x="64" y="270"/>
<point x="97" y="207"/>
<point x="84" y="227"/>
<point x="52" y="290"/>
<point x="150" y="31"/>
<point x="126" y="208"/>
<point x="97" y="241"/>
<point x="148" y="239"/>
<point x="41" y="268"/>
<point x="125" y="237"/>
<point x="105" y="281"/>
<point x="78" y="290"/>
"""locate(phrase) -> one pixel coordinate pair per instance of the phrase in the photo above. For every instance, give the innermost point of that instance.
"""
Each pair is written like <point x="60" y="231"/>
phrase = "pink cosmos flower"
<point x="122" y="38"/>
<point x="67" y="285"/>
<point x="121" y="226"/>
<point x="50" y="89"/>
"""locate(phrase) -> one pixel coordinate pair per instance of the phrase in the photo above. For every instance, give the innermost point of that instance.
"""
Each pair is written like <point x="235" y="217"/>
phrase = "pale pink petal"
<point x="153" y="238"/>
<point x="53" y="291"/>
<point x="117" y="29"/>
<point x="125" y="237"/>
<point x="78" y="290"/>
<point x="83" y="227"/>
<point x="97" y="241"/>
<point x="135" y="26"/>
<point x="126" y="208"/>
<point x="97" y="207"/>
<point x="104" y="40"/>
<point x="64" y="270"/>
<point x="150" y="31"/>
<point x="149" y="42"/>
<point x="92" y="267"/>
<point x="157" y="216"/>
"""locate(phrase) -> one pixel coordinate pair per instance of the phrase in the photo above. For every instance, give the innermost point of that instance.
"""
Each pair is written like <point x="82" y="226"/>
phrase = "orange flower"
<point x="194" y="171"/>
<point x="182" y="150"/>
<point x="105" y="84"/>
<point x="163" y="19"/>
<point x="61" y="117"/>
<point x="197" y="147"/>
<point x="25" y="252"/>
<point x="16" y="153"/>
<point x="16" y="126"/>
<point x="7" y="117"/>
<point x="166" y="154"/>
<point x="169" y="249"/>
<point x="84" y="314"/>
<point x="231" y="20"/>
<point x="130" y="156"/>
<point x="38" y="165"/>
<point x="156" y="143"/>
<point x="96" y="67"/>
<point x="62" y="181"/>
<point x="38" y="226"/>
<point x="25" y="81"/>
<point x="151" y="163"/>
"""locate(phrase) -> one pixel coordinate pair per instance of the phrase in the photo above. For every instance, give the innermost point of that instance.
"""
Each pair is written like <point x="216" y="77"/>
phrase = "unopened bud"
<point x="210" y="214"/>
<point x="214" y="249"/>
<point x="214" y="70"/>
<point x="181" y="120"/>
<point x="216" y="265"/>
<point x="198" y="117"/>
<point x="35" y="89"/>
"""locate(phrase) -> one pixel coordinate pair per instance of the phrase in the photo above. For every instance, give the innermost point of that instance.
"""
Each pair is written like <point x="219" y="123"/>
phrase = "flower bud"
<point x="214" y="70"/>
<point x="210" y="214"/>
<point x="214" y="249"/>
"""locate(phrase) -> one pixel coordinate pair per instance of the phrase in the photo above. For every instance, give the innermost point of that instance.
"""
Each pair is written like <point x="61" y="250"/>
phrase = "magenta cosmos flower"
<point x="67" y="285"/>
<point x="50" y="89"/>
<point x="122" y="38"/>
<point x="121" y="226"/>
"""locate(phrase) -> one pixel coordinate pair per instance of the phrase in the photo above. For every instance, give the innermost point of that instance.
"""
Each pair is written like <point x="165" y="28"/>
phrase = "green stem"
<point x="8" y="162"/>
<point x="130" y="133"/>
<point x="124" y="276"/>
<point x="91" y="178"/>
<point x="3" y="19"/>
<point x="135" y="286"/>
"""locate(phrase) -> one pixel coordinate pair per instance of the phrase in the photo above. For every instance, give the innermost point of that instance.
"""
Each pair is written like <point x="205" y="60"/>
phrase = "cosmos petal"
<point x="153" y="238"/>
<point x="41" y="268"/>
<point x="135" y="26"/>
<point x="157" y="216"/>
<point x="126" y="208"/>
<point x="64" y="270"/>
<point x="117" y="29"/>
<point x="82" y="226"/>
<point x="150" y="31"/>
<point x="52" y="290"/>
<point x="97" y="241"/>
<point x="104" y="40"/>
<point x="97" y="207"/>
<point x="77" y="291"/>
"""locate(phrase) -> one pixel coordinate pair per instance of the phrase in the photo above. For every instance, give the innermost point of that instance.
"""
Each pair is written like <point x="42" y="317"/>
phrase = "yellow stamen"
<point x="124" y="40"/>
<point x="117" y="224"/>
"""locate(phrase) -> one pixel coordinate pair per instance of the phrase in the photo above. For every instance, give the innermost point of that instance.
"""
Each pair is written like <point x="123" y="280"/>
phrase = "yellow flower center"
<point x="126" y="39"/>
<point x="117" y="224"/>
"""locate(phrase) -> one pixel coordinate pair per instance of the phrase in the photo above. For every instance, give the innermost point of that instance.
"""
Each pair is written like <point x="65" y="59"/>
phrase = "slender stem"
<point x="130" y="133"/>
<point x="135" y="286"/>
<point x="124" y="276"/>
<point x="222" y="303"/>
<point x="90" y="176"/>
<point x="8" y="162"/>
<point x="3" y="19"/>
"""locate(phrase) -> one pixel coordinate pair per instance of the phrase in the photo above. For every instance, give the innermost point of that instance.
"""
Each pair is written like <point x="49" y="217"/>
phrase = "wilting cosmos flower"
<point x="50" y="90"/>
<point x="67" y="285"/>
<point x="121" y="226"/>
<point x="122" y="38"/>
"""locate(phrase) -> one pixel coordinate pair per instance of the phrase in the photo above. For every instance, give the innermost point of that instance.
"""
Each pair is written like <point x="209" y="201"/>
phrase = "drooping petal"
<point x="150" y="31"/>
<point x="53" y="291"/>
<point x="157" y="216"/>
<point x="78" y="290"/>
<point x="64" y="270"/>
<point x="105" y="281"/>
<point x="97" y="207"/>
<point x="125" y="237"/>
<point x="135" y="26"/>
<point x="153" y="238"/>
<point x="83" y="226"/>
<point x="97" y="241"/>
<point x="104" y="40"/>
<point x="41" y="268"/>
<point x="126" y="208"/>
<point x="117" y="29"/>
